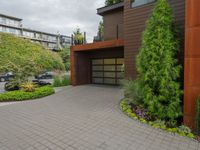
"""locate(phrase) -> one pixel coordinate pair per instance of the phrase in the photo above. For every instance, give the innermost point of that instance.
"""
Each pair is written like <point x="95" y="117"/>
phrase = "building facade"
<point x="13" y="25"/>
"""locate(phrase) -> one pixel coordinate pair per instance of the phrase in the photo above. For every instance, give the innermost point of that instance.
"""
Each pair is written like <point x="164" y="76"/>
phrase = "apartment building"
<point x="13" y="25"/>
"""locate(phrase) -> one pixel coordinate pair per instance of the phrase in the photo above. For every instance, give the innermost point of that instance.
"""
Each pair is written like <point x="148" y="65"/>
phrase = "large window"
<point x="136" y="3"/>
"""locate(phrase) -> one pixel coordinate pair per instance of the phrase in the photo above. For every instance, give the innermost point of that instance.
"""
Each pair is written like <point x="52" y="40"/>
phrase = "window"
<point x="136" y="3"/>
<point x="52" y="38"/>
<point x="28" y="34"/>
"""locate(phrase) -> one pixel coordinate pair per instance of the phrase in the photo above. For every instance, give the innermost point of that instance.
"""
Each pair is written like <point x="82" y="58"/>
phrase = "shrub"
<point x="65" y="81"/>
<point x="28" y="86"/>
<point x="61" y="81"/>
<point x="78" y="37"/>
<point x="22" y="95"/>
<point x="112" y="2"/>
<point x="57" y="81"/>
<point x="133" y="92"/>
<point x="65" y="55"/>
<point x="198" y="116"/>
<point x="158" y="66"/>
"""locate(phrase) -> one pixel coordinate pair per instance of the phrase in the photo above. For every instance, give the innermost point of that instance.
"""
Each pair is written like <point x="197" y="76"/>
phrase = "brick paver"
<point x="81" y="118"/>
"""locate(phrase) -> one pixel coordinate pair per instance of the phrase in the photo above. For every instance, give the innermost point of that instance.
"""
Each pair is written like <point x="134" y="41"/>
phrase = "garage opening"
<point x="108" y="71"/>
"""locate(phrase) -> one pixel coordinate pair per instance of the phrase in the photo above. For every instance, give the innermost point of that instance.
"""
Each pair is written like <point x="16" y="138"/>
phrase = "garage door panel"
<point x="107" y="71"/>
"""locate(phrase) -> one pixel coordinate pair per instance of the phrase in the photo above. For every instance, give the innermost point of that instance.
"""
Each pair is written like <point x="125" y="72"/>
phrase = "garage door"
<point x="107" y="71"/>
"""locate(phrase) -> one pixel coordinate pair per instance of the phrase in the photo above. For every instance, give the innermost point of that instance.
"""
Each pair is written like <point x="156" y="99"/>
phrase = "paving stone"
<point x="81" y="118"/>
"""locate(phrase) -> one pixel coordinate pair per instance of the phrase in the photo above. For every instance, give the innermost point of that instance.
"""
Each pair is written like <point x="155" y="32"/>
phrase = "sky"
<point x="54" y="16"/>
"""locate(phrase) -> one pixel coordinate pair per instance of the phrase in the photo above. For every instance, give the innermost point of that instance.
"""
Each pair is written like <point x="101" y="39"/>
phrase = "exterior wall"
<point x="134" y="25"/>
<point x="112" y="21"/>
<point x="192" y="61"/>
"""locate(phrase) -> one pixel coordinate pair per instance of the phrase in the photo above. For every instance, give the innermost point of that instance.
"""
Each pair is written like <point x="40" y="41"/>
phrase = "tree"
<point x="65" y="55"/>
<point x="100" y="33"/>
<point x="158" y="67"/>
<point x="78" y="37"/>
<point x="112" y="2"/>
<point x="25" y="59"/>
<point x="100" y="30"/>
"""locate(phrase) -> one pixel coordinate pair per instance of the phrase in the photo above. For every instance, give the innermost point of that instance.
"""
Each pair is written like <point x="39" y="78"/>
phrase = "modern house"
<point x="13" y="25"/>
<point x="101" y="62"/>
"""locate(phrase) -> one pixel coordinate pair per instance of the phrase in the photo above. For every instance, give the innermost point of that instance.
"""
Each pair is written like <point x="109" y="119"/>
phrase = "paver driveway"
<point x="81" y="118"/>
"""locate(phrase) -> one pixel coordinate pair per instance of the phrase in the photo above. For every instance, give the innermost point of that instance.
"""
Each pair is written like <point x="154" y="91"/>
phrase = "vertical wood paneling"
<point x="134" y="25"/>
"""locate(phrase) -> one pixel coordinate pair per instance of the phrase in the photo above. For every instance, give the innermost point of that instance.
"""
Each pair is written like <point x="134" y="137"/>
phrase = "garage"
<point x="108" y="71"/>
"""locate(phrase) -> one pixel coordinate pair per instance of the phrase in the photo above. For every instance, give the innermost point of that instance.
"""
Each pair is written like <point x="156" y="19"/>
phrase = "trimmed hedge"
<point x="21" y="95"/>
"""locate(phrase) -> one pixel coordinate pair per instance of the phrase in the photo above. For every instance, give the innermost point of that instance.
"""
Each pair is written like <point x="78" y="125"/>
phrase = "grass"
<point x="61" y="81"/>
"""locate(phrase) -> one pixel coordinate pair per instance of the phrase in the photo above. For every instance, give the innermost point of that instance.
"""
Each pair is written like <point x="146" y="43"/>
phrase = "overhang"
<point x="99" y="45"/>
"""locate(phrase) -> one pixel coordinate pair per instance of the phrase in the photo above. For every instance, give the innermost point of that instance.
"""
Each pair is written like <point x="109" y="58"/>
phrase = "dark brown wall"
<point x="83" y="68"/>
<point x="111" y="21"/>
<point x="134" y="25"/>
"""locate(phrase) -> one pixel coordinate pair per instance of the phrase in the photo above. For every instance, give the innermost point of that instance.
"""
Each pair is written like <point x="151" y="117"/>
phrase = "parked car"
<point x="46" y="75"/>
<point x="11" y="86"/>
<point x="41" y="83"/>
<point x="6" y="77"/>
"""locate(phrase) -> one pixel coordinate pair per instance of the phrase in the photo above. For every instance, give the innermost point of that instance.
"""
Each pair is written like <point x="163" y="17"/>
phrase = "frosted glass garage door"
<point x="107" y="71"/>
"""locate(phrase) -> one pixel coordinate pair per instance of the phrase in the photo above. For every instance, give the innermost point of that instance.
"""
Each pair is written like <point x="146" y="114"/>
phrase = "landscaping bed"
<point x="21" y="95"/>
<point x="141" y="115"/>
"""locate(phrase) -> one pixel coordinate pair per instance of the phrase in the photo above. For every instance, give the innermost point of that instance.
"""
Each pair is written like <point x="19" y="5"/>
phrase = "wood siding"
<point x="134" y="25"/>
<point x="112" y="21"/>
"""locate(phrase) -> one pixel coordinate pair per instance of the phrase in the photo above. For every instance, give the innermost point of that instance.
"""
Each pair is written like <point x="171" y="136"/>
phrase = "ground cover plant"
<point x="22" y="94"/>
<point x="158" y="124"/>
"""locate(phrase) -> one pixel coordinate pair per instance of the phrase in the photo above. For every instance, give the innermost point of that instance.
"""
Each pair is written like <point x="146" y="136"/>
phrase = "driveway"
<point x="81" y="118"/>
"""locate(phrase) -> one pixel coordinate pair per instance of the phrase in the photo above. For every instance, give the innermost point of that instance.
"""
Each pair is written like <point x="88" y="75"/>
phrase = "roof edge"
<point x="11" y="17"/>
<point x="102" y="10"/>
<point x="98" y="45"/>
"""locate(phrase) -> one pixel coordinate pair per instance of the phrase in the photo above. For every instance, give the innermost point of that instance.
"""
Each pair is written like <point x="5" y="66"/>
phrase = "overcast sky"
<point x="55" y="15"/>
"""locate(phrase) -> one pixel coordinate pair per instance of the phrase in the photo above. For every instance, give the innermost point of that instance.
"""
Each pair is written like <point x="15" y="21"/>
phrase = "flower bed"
<point x="21" y="95"/>
<point x="182" y="130"/>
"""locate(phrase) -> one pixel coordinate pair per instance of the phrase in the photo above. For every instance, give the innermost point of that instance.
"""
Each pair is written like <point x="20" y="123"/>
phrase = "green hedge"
<point x="22" y="95"/>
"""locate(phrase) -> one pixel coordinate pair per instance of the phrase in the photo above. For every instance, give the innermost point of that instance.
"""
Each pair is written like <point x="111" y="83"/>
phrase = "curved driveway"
<point x="81" y="118"/>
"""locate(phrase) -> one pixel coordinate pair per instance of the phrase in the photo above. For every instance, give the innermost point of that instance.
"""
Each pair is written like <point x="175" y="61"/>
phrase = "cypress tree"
<point x="158" y="67"/>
